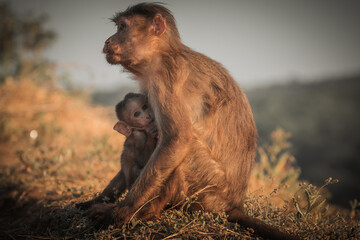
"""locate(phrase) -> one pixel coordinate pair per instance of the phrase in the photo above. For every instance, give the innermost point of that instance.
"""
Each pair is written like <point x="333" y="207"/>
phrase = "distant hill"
<point x="111" y="98"/>
<point x="323" y="118"/>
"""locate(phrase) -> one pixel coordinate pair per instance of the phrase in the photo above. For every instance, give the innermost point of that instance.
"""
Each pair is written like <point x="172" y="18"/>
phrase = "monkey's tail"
<point x="259" y="226"/>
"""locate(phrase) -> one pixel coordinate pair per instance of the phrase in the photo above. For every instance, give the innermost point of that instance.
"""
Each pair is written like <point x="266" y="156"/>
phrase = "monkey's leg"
<point x="172" y="192"/>
<point x="116" y="187"/>
<point x="111" y="192"/>
<point x="133" y="174"/>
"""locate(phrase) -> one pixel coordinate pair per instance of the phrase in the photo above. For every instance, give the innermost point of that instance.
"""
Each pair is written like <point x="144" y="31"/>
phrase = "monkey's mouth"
<point x="109" y="52"/>
<point x="112" y="57"/>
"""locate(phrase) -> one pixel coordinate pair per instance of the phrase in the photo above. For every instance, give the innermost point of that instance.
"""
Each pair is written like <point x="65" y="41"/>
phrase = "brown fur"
<point x="207" y="134"/>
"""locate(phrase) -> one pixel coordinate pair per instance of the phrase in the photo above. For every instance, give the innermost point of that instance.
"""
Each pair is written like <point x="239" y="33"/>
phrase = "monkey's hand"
<point x="101" y="214"/>
<point x="86" y="205"/>
<point x="151" y="129"/>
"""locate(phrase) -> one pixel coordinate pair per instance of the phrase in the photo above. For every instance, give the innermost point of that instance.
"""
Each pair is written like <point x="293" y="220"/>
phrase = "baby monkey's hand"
<point x="151" y="129"/>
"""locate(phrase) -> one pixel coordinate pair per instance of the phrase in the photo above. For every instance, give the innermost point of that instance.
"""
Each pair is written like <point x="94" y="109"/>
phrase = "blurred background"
<point x="298" y="61"/>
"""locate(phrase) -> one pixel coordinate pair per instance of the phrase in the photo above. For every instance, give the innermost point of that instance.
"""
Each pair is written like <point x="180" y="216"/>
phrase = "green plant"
<point x="276" y="160"/>
<point x="355" y="206"/>
<point x="309" y="200"/>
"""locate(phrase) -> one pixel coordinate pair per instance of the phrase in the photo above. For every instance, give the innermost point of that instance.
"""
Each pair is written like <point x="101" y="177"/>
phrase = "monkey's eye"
<point x="122" y="26"/>
<point x="144" y="107"/>
<point x="136" y="114"/>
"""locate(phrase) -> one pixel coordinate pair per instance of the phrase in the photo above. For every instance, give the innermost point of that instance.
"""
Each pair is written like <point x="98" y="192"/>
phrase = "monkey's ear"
<point x="123" y="128"/>
<point x="159" y="24"/>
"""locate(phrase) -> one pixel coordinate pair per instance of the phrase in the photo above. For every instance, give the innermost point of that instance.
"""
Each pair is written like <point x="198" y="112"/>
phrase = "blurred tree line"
<point x="22" y="42"/>
<point x="323" y="118"/>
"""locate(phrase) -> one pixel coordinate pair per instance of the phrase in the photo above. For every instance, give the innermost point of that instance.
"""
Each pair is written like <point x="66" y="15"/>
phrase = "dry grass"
<point x="56" y="150"/>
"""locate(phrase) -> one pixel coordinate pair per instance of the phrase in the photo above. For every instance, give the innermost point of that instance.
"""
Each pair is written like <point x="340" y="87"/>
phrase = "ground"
<point x="57" y="149"/>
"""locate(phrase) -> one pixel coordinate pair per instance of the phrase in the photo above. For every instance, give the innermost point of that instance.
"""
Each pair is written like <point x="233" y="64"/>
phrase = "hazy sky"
<point x="259" y="42"/>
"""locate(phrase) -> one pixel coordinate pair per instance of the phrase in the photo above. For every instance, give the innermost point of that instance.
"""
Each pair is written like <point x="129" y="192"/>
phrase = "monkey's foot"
<point x="122" y="215"/>
<point x="101" y="214"/>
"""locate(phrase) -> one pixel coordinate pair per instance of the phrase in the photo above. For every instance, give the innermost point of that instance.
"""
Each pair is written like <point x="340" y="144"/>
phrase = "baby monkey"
<point x="136" y="122"/>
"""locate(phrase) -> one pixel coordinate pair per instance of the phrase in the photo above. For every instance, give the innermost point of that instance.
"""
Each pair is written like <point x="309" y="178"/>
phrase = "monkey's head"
<point x="133" y="112"/>
<point x="143" y="31"/>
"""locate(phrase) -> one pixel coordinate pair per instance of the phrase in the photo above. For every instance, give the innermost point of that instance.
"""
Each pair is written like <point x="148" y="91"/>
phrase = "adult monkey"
<point x="207" y="134"/>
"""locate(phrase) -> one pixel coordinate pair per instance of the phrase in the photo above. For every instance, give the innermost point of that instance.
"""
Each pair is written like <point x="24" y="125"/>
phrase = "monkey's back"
<point x="224" y="122"/>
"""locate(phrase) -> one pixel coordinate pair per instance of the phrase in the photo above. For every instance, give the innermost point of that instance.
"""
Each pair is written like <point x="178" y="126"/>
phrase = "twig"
<point x="175" y="234"/>
<point x="141" y="208"/>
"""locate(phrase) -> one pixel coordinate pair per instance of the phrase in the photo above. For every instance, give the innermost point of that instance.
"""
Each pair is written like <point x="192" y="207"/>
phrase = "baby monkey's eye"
<point x="144" y="107"/>
<point x="136" y="114"/>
